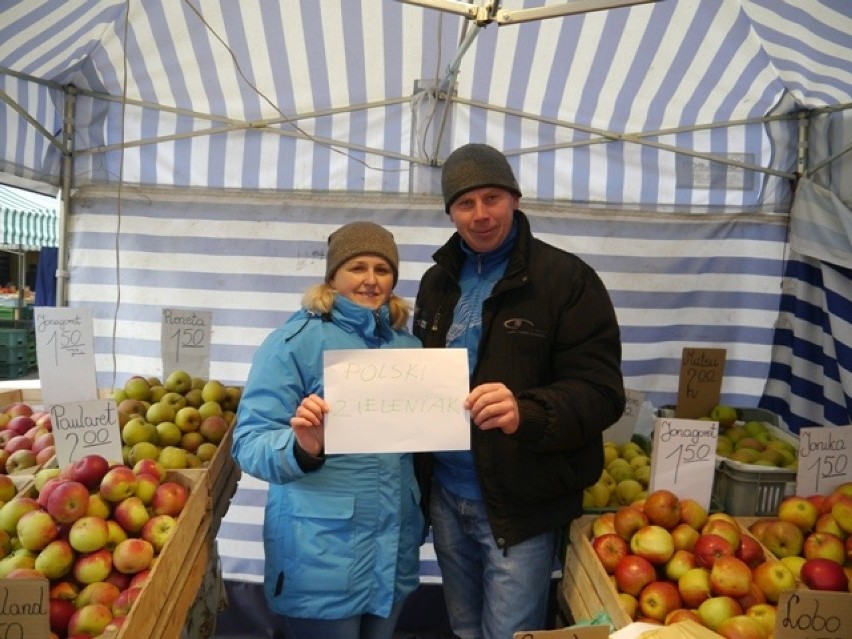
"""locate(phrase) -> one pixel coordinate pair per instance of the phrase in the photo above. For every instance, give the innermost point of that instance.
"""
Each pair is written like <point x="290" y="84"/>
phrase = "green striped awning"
<point x="26" y="222"/>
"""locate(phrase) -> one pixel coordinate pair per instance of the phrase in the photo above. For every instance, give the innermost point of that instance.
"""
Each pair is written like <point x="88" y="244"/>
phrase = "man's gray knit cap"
<point x="474" y="166"/>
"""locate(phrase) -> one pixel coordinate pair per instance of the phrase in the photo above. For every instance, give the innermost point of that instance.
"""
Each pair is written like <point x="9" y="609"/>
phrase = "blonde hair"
<point x="319" y="298"/>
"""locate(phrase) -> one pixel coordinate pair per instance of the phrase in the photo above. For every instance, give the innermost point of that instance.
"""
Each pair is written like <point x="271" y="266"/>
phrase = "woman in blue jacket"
<point x="342" y="532"/>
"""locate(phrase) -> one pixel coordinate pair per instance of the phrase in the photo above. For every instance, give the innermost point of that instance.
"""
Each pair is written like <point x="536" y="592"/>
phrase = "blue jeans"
<point x="358" y="627"/>
<point x="490" y="592"/>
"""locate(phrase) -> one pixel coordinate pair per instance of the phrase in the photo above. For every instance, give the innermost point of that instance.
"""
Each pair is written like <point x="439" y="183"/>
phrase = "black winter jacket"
<point x="550" y="334"/>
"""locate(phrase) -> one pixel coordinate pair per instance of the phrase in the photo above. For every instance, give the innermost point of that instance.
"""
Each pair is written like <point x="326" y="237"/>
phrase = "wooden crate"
<point x="585" y="584"/>
<point x="166" y="596"/>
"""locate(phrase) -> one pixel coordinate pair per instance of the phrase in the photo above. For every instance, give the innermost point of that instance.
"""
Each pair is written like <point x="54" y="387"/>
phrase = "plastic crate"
<point x="12" y="337"/>
<point x="13" y="354"/>
<point x="743" y="414"/>
<point x="751" y="493"/>
<point x="14" y="370"/>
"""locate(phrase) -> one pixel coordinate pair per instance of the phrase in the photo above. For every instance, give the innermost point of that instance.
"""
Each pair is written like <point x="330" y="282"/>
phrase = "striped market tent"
<point x="28" y="221"/>
<point x="695" y="152"/>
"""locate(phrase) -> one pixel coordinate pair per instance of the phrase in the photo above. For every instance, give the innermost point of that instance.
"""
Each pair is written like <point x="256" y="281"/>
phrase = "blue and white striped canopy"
<point x="27" y="221"/>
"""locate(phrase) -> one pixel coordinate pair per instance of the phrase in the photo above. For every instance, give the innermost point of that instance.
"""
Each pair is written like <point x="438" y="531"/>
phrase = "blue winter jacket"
<point x="343" y="539"/>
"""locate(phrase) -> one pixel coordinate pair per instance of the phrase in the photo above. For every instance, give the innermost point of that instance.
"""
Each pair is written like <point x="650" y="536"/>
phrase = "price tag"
<point x="86" y="428"/>
<point x="622" y="430"/>
<point x="64" y="349"/>
<point x="684" y="459"/>
<point x="185" y="341"/>
<point x="824" y="460"/>
<point x="25" y="609"/>
<point x="813" y="614"/>
<point x="700" y="382"/>
<point x="574" y="632"/>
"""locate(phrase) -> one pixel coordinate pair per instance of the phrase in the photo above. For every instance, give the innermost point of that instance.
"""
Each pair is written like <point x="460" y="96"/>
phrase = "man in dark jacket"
<point x="544" y="349"/>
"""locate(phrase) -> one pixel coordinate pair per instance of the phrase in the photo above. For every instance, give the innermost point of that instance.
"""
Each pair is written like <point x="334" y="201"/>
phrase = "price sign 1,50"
<point x="185" y="341"/>
<point x="684" y="458"/>
<point x="824" y="462"/>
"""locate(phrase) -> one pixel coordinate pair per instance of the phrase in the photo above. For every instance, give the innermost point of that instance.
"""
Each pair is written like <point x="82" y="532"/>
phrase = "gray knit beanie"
<point x="473" y="166"/>
<point x="360" y="238"/>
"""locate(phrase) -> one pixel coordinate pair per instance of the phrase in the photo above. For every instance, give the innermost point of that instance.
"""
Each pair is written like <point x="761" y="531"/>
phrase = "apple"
<point x="11" y="512"/>
<point x="140" y="578"/>
<point x="210" y="408"/>
<point x="159" y="529"/>
<point x="118" y="483"/>
<point x="8" y="488"/>
<point x="758" y="527"/>
<point x="93" y="566"/>
<point x="64" y="589"/>
<point x="161" y="411"/>
<point x="133" y="555"/>
<point x="724" y="528"/>
<point x="131" y="407"/>
<point x="20" y="424"/>
<point x="139" y="430"/>
<point x="658" y="599"/>
<point x="741" y="627"/>
<point x="841" y="510"/>
<point x="794" y="564"/>
<point x="178" y="381"/>
<point x="42" y="441"/>
<point x="692" y="513"/>
<point x="146" y="486"/>
<point x="60" y="612"/>
<point x="826" y="546"/>
<point x="20" y="460"/>
<point x="214" y="428"/>
<point x="754" y="596"/>
<point x="88" y="534"/>
<point x="653" y="543"/>
<point x="35" y="529"/>
<point x="678" y="564"/>
<point x="730" y="576"/>
<point x="68" y="501"/>
<point x="633" y="573"/>
<point x="169" y="498"/>
<point x="826" y="523"/>
<point x="90" y="620"/>
<point x="799" y="511"/>
<point x="115" y="534"/>
<point x="773" y="578"/>
<point x="609" y="548"/>
<point x="188" y="419"/>
<point x="684" y="536"/>
<point x="682" y="614"/>
<point x="709" y="547"/>
<point x="55" y="559"/>
<point x="118" y="579"/>
<point x="190" y="443"/>
<point x="89" y="470"/>
<point x="765" y="614"/>
<point x="715" y="610"/>
<point x="173" y="457"/>
<point x="783" y="539"/>
<point x="18" y="442"/>
<point x="233" y="395"/>
<point x="137" y="387"/>
<point x="102" y="592"/>
<point x="98" y="506"/>
<point x="206" y="451"/>
<point x="824" y="574"/>
<point x="19" y="558"/>
<point x="628" y="520"/>
<point x="629" y="603"/>
<point x="124" y="602"/>
<point x="750" y="551"/>
<point x="45" y="455"/>
<point x="849" y="550"/>
<point x="662" y="507"/>
<point x="131" y="514"/>
<point x="154" y="468"/>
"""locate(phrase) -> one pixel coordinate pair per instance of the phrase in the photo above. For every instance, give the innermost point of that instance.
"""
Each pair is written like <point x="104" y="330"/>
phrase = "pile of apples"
<point x="178" y="422"/>
<point x="94" y="530"/>
<point x="751" y="442"/>
<point x="670" y="560"/>
<point x="812" y="536"/>
<point x="625" y="477"/>
<point x="26" y="438"/>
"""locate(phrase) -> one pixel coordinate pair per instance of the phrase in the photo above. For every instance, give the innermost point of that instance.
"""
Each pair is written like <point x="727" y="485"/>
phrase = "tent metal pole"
<point x="67" y="175"/>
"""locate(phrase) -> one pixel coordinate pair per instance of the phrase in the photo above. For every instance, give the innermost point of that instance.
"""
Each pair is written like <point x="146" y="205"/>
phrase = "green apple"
<point x="214" y="391"/>
<point x="138" y="430"/>
<point x="160" y="412"/>
<point x="137" y="388"/>
<point x="724" y="414"/>
<point x="144" y="450"/>
<point x="173" y="458"/>
<point x="168" y="434"/>
<point x="178" y="381"/>
<point x="210" y="408"/>
<point x="188" y="419"/>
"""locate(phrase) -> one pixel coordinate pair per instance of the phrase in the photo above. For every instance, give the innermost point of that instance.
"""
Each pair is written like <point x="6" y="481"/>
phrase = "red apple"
<point x="88" y="534"/>
<point x="36" y="529"/>
<point x="658" y="599"/>
<point x="89" y="470"/>
<point x="213" y="428"/>
<point x="724" y="528"/>
<point x="628" y="520"/>
<point x="93" y="566"/>
<point x="633" y="573"/>
<point x="758" y="527"/>
<point x="692" y="513"/>
<point x="19" y="408"/>
<point x="89" y="621"/>
<point x="610" y="548"/>
<point x="169" y="498"/>
<point x="602" y="524"/>
<point x="653" y="543"/>
<point x="678" y="564"/>
<point x="662" y="507"/>
<point x="156" y="469"/>
<point x="140" y="578"/>
<point x="55" y="560"/>
<point x="68" y="501"/>
<point x="18" y="442"/>
<point x="730" y="576"/>
<point x="709" y="547"/>
<point x="60" y="613"/>
<point x="773" y="578"/>
<point x="755" y="596"/>
<point x="715" y="610"/>
<point x="825" y="546"/>
<point x="841" y="510"/>
<point x="101" y="592"/>
<point x="45" y="455"/>
<point x="824" y="574"/>
<point x="694" y="587"/>
<point x="124" y="602"/>
<point x="131" y="514"/>
<point x="20" y="424"/>
<point x="133" y="555"/>
<point x="42" y="441"/>
<point x="799" y="511"/>
<point x="684" y="536"/>
<point x="118" y="483"/>
<point x="682" y="614"/>
<point x="750" y="551"/>
<point x="826" y="523"/>
<point x="741" y="627"/>
<point x="783" y="539"/>
<point x="118" y="579"/>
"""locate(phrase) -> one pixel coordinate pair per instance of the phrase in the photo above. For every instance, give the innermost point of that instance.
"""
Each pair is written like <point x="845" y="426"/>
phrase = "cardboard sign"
<point x="395" y="400"/>
<point x="684" y="459"/>
<point x="24" y="608"/>
<point x="824" y="459"/>
<point x="185" y="341"/>
<point x="622" y="430"/>
<point x="574" y="632"/>
<point x="813" y="614"/>
<point x="700" y="382"/>
<point x="85" y="428"/>
<point x="65" y="352"/>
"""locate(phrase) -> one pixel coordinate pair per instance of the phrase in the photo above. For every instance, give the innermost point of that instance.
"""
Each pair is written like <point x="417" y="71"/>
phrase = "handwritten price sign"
<point x="86" y="428"/>
<point x="824" y="460"/>
<point x="64" y="348"/>
<point x="700" y="382"/>
<point x="575" y="632"/>
<point x="622" y="430"/>
<point x="185" y="341"/>
<point x="684" y="457"/>
<point x="812" y="614"/>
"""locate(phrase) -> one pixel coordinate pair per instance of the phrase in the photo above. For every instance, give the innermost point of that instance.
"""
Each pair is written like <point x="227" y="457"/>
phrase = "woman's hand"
<point x="308" y="424"/>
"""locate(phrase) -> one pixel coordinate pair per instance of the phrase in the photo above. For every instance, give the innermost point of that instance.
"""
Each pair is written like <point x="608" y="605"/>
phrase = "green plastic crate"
<point x="13" y="370"/>
<point x="13" y="354"/>
<point x="12" y="337"/>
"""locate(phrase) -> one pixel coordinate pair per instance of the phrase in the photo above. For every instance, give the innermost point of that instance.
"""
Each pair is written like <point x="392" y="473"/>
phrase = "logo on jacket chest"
<point x="522" y="326"/>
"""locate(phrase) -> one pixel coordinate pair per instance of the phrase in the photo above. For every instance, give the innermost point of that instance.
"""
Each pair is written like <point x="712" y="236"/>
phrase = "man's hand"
<point x="492" y="405"/>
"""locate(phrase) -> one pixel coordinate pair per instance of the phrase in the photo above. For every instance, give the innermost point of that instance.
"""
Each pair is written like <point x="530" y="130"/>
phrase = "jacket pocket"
<point x="313" y="543"/>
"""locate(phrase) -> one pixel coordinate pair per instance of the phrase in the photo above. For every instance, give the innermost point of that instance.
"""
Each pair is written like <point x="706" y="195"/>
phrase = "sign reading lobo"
<point x="396" y="400"/>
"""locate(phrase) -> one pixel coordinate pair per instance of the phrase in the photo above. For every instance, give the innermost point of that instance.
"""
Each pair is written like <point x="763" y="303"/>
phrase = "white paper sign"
<point x="387" y="400"/>
<point x="86" y="428"/>
<point x="65" y="352"/>
<point x="622" y="430"/>
<point x="185" y="341"/>
<point x="684" y="459"/>
<point x="824" y="459"/>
